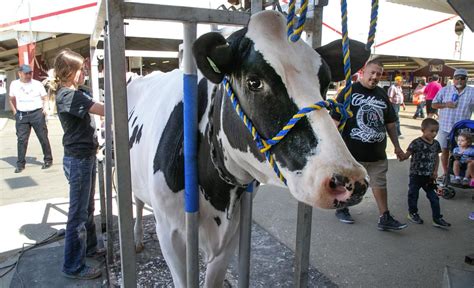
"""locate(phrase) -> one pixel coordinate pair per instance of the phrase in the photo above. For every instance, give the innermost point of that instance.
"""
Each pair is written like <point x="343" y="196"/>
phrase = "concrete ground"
<point x="33" y="205"/>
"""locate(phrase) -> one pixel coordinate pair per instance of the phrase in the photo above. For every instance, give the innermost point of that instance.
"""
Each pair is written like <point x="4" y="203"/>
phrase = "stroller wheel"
<point x="448" y="193"/>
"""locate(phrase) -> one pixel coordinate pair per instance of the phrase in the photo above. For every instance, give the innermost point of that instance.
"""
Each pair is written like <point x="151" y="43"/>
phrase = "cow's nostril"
<point x="338" y="180"/>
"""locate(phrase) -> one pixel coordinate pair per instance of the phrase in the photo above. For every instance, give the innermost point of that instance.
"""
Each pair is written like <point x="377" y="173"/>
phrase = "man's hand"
<point x="434" y="176"/>
<point x="404" y="107"/>
<point x="400" y="154"/>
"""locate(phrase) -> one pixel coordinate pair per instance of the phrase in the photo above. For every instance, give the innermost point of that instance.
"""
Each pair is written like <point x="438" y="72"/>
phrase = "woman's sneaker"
<point x="415" y="218"/>
<point x="440" y="223"/>
<point x="86" y="273"/>
<point x="387" y="222"/>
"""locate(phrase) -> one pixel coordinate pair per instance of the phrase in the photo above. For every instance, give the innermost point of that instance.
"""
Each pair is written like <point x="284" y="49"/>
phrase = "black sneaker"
<point x="440" y="223"/>
<point x="19" y="169"/>
<point x="415" y="218"/>
<point x="387" y="222"/>
<point x="344" y="216"/>
<point x="47" y="165"/>
<point x="86" y="273"/>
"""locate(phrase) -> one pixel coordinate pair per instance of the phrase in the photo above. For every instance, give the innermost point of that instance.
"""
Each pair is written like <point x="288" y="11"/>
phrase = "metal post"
<point x="245" y="235"/>
<point x="116" y="47"/>
<point x="191" y="192"/>
<point x="305" y="212"/>
<point x="108" y="157"/>
<point x="246" y="212"/>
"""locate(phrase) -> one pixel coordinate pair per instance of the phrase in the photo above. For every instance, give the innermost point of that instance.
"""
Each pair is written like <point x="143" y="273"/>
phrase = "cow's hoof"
<point x="139" y="248"/>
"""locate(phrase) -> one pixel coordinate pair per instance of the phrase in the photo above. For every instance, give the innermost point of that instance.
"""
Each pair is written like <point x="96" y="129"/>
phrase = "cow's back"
<point x="151" y="101"/>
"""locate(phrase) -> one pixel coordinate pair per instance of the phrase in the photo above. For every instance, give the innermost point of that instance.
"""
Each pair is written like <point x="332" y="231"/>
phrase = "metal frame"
<point x="111" y="16"/>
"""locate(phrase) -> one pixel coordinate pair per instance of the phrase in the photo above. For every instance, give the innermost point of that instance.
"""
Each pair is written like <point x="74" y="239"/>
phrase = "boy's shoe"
<point x="344" y="216"/>
<point x="99" y="252"/>
<point x="471" y="216"/>
<point x="415" y="218"/>
<point x="440" y="223"/>
<point x="86" y="273"/>
<point x="387" y="222"/>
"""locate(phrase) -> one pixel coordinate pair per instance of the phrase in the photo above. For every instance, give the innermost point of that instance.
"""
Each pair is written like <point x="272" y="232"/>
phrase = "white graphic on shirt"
<point x="370" y="122"/>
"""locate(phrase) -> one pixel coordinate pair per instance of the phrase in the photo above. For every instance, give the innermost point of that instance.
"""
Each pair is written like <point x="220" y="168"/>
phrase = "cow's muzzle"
<point x="340" y="185"/>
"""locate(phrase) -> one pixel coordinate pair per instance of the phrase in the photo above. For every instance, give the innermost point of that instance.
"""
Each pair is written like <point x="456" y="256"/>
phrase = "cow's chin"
<point x="330" y="189"/>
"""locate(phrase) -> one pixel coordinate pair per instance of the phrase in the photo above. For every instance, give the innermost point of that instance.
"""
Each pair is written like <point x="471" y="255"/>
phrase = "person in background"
<point x="424" y="164"/>
<point x="395" y="94"/>
<point x="456" y="103"/>
<point x="28" y="100"/>
<point x="419" y="98"/>
<point x="463" y="159"/>
<point x="430" y="92"/>
<point x="80" y="147"/>
<point x="365" y="135"/>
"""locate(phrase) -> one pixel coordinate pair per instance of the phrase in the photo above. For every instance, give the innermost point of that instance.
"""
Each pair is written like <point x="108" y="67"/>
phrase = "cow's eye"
<point x="254" y="84"/>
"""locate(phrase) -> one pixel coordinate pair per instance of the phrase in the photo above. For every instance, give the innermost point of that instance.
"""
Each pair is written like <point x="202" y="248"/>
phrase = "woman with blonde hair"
<point x="79" y="163"/>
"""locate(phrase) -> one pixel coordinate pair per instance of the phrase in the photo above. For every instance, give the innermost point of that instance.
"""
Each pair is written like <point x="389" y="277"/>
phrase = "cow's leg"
<point x="173" y="247"/>
<point x="138" y="229"/>
<point x="217" y="268"/>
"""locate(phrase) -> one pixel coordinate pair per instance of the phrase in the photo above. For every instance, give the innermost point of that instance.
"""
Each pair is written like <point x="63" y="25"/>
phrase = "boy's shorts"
<point x="442" y="138"/>
<point x="377" y="173"/>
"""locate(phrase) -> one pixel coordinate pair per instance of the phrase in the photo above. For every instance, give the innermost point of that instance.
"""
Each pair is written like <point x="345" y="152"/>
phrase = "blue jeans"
<point x="425" y="182"/>
<point x="419" y="110"/>
<point x="80" y="229"/>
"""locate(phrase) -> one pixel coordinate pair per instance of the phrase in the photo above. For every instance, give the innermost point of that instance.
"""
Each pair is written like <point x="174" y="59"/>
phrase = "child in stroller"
<point x="459" y="158"/>
<point x="463" y="156"/>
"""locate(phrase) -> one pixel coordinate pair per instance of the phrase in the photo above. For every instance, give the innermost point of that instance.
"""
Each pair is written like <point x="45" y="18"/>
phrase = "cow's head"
<point x="273" y="79"/>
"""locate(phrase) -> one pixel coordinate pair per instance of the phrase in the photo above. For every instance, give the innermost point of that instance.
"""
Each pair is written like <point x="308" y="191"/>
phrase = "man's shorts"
<point x="377" y="173"/>
<point x="442" y="138"/>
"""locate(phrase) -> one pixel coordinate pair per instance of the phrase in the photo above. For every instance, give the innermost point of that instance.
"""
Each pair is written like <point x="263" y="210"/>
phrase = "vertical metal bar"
<point x="246" y="212"/>
<point x="100" y="170"/>
<point x="245" y="235"/>
<point x="305" y="212"/>
<point x="191" y="193"/>
<point x="122" y="158"/>
<point x="108" y="156"/>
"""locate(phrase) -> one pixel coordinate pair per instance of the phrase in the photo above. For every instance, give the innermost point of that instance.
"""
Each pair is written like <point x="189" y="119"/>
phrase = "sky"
<point x="394" y="20"/>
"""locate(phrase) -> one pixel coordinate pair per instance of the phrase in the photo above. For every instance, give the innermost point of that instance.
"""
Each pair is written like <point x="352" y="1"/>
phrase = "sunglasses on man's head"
<point x="460" y="77"/>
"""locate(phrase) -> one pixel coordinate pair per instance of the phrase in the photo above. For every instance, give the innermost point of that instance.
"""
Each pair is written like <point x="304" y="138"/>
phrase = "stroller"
<point x="446" y="189"/>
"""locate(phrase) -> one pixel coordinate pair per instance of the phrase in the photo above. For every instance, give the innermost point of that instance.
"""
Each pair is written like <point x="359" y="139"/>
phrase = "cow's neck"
<point x="216" y="151"/>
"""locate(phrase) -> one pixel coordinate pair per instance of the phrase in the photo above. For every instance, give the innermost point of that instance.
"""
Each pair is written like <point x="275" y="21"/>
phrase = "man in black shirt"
<point x="365" y="136"/>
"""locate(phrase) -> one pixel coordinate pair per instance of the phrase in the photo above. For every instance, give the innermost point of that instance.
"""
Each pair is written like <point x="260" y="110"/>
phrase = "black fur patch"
<point x="169" y="156"/>
<point x="218" y="220"/>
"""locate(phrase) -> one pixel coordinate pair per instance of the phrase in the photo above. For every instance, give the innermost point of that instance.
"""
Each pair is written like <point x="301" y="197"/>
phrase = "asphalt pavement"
<point x="34" y="203"/>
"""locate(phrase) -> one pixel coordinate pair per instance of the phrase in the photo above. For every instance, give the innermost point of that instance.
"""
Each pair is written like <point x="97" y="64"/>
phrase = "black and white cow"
<point x="273" y="79"/>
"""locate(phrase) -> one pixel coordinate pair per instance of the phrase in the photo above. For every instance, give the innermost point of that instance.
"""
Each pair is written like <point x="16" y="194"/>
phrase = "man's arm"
<point x="12" y="100"/>
<point x="392" y="133"/>
<point x="45" y="100"/>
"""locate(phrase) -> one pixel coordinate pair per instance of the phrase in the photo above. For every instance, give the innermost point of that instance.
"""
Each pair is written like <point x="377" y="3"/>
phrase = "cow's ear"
<point x="213" y="56"/>
<point x="332" y="54"/>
